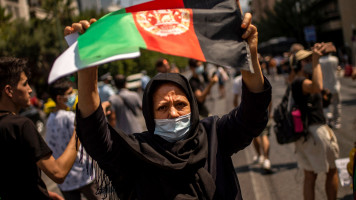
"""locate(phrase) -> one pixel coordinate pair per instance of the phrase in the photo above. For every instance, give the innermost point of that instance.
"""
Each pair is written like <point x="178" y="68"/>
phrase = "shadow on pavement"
<point x="275" y="168"/>
<point x="349" y="102"/>
<point x="347" y="197"/>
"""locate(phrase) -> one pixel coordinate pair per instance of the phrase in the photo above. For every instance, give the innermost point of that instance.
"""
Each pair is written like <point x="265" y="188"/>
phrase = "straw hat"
<point x="301" y="54"/>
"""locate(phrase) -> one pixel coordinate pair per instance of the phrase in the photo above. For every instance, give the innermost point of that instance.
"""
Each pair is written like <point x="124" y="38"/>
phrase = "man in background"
<point x="22" y="149"/>
<point x="127" y="106"/>
<point x="198" y="86"/>
<point x="162" y="66"/>
<point x="59" y="128"/>
<point x="329" y="66"/>
<point x="261" y="144"/>
<point x="105" y="88"/>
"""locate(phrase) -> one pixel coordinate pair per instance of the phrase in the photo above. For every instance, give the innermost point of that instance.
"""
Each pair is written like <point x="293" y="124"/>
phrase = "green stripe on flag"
<point x="113" y="34"/>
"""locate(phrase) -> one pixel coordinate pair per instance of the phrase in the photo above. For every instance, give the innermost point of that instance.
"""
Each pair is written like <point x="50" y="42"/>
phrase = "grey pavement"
<point x="286" y="180"/>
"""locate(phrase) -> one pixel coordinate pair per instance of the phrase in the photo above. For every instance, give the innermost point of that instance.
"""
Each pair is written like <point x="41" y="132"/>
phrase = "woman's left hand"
<point x="251" y="34"/>
<point x="254" y="81"/>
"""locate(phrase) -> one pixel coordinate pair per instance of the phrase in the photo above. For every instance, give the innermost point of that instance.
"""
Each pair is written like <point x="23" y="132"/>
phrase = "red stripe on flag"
<point x="156" y="5"/>
<point x="169" y="31"/>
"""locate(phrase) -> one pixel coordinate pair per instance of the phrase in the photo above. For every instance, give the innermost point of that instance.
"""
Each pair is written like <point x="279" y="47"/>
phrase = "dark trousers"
<point x="88" y="191"/>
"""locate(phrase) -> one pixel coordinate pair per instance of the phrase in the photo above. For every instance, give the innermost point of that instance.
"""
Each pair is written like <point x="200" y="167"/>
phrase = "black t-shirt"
<point x="196" y="84"/>
<point x="21" y="146"/>
<point x="310" y="104"/>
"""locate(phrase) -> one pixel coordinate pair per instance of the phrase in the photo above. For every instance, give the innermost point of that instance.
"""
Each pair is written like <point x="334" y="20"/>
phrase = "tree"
<point x="4" y="17"/>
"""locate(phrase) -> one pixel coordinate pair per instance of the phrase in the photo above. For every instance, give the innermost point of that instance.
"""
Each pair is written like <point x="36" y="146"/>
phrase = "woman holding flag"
<point x="179" y="157"/>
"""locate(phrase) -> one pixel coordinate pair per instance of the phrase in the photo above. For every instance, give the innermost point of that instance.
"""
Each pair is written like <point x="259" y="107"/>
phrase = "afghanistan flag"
<point x="206" y="30"/>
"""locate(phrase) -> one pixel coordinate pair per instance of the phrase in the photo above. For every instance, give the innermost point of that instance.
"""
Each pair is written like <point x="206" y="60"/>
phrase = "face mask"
<point x="199" y="69"/>
<point x="71" y="100"/>
<point x="172" y="130"/>
<point x="308" y="68"/>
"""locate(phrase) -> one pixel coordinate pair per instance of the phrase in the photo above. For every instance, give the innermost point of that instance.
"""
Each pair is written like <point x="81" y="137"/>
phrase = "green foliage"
<point x="288" y="18"/>
<point x="4" y="17"/>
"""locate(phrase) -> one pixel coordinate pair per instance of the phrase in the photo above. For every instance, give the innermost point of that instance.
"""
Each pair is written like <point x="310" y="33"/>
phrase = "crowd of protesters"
<point x="312" y="74"/>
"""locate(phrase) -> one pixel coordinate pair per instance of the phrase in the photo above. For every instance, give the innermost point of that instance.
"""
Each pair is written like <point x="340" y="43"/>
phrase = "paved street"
<point x="285" y="181"/>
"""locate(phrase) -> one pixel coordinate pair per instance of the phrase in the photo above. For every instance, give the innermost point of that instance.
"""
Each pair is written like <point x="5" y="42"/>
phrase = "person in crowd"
<point x="179" y="157"/>
<point x="144" y="79"/>
<point x="295" y="47"/>
<point x="264" y="64"/>
<point x="127" y="106"/>
<point x="272" y="68"/>
<point x="329" y="66"/>
<point x="318" y="150"/>
<point x="285" y="67"/>
<point x="162" y="66"/>
<point x="222" y="78"/>
<point x="266" y="61"/>
<point x="22" y="149"/>
<point x="105" y="88"/>
<point x="174" y="68"/>
<point x="201" y="91"/>
<point x="59" y="128"/>
<point x="237" y="89"/>
<point x="261" y="143"/>
<point x="293" y="50"/>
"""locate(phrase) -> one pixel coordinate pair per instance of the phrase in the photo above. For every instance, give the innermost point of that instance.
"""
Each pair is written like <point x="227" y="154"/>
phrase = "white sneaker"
<point x="266" y="164"/>
<point x="258" y="159"/>
<point x="261" y="159"/>
<point x="337" y="125"/>
<point x="255" y="159"/>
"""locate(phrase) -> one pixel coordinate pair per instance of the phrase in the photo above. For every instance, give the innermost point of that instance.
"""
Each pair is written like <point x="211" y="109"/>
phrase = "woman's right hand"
<point x="79" y="27"/>
<point x="318" y="50"/>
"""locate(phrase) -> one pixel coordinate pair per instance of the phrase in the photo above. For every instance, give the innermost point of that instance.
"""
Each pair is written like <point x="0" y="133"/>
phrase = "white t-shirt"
<point x="329" y="66"/>
<point x="59" y="130"/>
<point x="237" y="85"/>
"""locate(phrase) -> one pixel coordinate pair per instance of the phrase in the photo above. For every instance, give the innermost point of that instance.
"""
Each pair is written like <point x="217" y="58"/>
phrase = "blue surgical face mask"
<point x="71" y="100"/>
<point x="199" y="69"/>
<point x="172" y="130"/>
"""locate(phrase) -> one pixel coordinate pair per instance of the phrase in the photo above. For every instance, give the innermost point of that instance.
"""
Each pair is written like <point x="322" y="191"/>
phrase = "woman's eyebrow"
<point x="181" y="98"/>
<point x="162" y="102"/>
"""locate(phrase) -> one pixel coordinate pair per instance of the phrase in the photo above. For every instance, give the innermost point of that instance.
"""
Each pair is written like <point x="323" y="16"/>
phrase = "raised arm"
<point x="88" y="95"/>
<point x="201" y="95"/>
<point x="57" y="170"/>
<point x="253" y="81"/>
<point x="316" y="84"/>
<point x="97" y="137"/>
<point x="237" y="129"/>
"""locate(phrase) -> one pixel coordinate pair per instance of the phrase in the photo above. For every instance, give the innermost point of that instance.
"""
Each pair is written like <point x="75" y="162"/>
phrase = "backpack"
<point x="289" y="126"/>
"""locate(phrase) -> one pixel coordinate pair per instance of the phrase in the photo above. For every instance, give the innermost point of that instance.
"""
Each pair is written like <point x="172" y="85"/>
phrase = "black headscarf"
<point x="158" y="80"/>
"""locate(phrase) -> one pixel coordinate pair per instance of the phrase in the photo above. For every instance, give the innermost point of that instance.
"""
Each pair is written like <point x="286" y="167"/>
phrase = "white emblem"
<point x="164" y="22"/>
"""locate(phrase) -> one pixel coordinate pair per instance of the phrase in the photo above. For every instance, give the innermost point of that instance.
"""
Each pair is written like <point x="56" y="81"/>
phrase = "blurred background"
<point x="33" y="29"/>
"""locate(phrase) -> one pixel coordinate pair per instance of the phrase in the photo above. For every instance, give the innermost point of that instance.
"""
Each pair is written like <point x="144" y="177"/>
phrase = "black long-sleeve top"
<point x="139" y="166"/>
